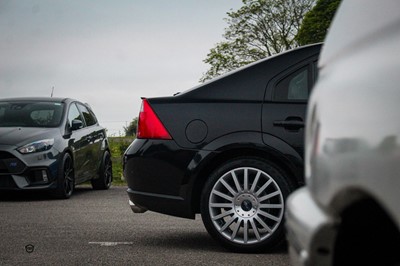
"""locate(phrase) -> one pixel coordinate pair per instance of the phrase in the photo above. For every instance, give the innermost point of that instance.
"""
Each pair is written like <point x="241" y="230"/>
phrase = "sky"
<point x="108" y="54"/>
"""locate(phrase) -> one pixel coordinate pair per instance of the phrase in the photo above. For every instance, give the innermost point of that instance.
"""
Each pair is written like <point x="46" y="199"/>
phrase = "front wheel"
<point x="104" y="179"/>
<point x="66" y="181"/>
<point x="243" y="203"/>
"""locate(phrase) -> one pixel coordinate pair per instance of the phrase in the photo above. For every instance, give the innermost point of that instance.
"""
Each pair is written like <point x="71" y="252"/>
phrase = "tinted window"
<point x="293" y="87"/>
<point x="73" y="114"/>
<point x="88" y="115"/>
<point x="30" y="114"/>
<point x="315" y="67"/>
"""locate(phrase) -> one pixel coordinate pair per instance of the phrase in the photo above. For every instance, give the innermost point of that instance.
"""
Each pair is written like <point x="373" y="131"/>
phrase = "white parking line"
<point x="110" y="244"/>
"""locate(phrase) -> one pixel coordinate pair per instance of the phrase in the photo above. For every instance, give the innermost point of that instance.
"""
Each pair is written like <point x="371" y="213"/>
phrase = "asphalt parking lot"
<point x="98" y="228"/>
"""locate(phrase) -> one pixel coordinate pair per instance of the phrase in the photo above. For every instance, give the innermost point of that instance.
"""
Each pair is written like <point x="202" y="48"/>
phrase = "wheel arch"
<point x="71" y="154"/>
<point x="365" y="227"/>
<point x="212" y="162"/>
<point x="107" y="149"/>
<point x="60" y="158"/>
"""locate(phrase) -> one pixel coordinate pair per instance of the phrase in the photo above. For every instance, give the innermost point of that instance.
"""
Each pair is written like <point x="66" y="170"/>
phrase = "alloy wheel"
<point x="108" y="171"/>
<point x="246" y="205"/>
<point x="68" y="177"/>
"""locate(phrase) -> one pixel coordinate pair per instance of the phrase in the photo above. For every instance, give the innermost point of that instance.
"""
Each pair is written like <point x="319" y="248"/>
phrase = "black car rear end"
<point x="230" y="149"/>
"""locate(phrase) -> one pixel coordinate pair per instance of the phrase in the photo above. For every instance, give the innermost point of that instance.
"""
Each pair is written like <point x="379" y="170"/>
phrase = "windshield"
<point x="30" y="114"/>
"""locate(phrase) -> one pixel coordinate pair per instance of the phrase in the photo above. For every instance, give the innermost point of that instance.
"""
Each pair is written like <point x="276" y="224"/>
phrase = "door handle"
<point x="290" y="123"/>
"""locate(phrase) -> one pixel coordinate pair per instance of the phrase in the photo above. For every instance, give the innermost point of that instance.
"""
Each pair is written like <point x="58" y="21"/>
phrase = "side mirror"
<point x="76" y="124"/>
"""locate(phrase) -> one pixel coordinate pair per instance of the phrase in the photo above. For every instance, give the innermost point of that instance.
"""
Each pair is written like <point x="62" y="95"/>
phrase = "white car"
<point x="349" y="211"/>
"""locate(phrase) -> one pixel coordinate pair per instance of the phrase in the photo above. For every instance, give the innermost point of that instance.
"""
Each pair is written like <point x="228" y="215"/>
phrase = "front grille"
<point x="3" y="168"/>
<point x="7" y="182"/>
<point x="9" y="164"/>
<point x="6" y="155"/>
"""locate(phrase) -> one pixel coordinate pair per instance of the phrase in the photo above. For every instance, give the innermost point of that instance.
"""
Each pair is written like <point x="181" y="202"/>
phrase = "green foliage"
<point x="260" y="28"/>
<point x="317" y="21"/>
<point x="131" y="129"/>
<point x="118" y="145"/>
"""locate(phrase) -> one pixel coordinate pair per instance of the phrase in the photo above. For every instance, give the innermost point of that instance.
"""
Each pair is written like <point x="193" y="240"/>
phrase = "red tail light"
<point x="149" y="125"/>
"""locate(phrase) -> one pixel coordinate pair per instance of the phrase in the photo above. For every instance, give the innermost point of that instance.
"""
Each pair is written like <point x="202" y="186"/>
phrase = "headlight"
<point x="40" y="145"/>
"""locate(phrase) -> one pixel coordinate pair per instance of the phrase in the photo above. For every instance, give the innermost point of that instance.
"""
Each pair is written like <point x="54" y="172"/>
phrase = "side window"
<point x="73" y="114"/>
<point x="93" y="116"/>
<point x="90" y="119"/>
<point x="294" y="87"/>
<point x="315" y="66"/>
<point x="2" y="111"/>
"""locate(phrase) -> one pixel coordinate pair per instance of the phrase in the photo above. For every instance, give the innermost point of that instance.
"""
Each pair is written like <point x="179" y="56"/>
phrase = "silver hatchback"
<point x="348" y="213"/>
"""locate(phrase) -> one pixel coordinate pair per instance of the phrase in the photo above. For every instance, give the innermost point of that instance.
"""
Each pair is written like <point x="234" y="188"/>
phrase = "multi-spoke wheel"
<point x="105" y="174"/>
<point x="243" y="205"/>
<point x="66" y="183"/>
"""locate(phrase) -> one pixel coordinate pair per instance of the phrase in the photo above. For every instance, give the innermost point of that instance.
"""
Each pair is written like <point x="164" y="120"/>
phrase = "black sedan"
<point x="51" y="144"/>
<point x="230" y="149"/>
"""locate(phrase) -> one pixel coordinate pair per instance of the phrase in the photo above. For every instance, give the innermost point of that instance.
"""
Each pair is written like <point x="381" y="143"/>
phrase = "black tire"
<point x="246" y="216"/>
<point x="66" y="179"/>
<point x="104" y="179"/>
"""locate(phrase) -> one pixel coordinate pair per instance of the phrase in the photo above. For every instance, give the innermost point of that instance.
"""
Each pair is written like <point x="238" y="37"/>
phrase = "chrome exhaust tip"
<point x="136" y="208"/>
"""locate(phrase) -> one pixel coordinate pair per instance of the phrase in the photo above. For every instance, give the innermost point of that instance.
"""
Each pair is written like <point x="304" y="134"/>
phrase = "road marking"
<point x="110" y="244"/>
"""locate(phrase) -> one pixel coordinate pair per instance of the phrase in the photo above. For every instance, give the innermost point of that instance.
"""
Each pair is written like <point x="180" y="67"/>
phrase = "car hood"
<point x="19" y="136"/>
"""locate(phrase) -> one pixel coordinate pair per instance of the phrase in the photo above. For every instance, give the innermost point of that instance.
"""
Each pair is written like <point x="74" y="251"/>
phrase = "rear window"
<point x="30" y="114"/>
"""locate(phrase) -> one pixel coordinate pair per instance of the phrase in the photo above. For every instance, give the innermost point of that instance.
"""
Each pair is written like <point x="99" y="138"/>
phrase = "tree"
<point x="130" y="130"/>
<point x="260" y="28"/>
<point x="317" y="21"/>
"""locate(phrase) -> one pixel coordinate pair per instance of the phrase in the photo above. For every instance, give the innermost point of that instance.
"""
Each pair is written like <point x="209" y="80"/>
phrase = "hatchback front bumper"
<point x="36" y="171"/>
<point x="310" y="231"/>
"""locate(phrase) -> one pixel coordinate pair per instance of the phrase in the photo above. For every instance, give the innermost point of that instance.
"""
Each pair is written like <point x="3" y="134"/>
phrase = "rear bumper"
<point x="143" y="201"/>
<point x="159" y="177"/>
<point x="310" y="232"/>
